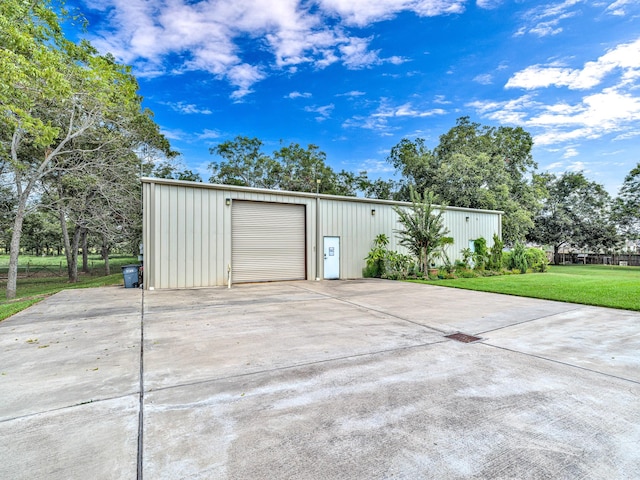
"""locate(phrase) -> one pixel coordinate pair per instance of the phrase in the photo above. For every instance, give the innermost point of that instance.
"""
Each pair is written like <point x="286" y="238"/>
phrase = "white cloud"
<point x="209" y="134"/>
<point x="208" y="34"/>
<point x="396" y="60"/>
<point x="188" y="108"/>
<point x="554" y="166"/>
<point x="352" y="93"/>
<point x="174" y="134"/>
<point x="627" y="135"/>
<point x="570" y="152"/>
<point x="488" y="4"/>
<point x="323" y="112"/>
<point x="441" y="100"/>
<point x="578" y="167"/>
<point x="364" y="12"/>
<point x="406" y="110"/>
<point x="545" y="20"/>
<point x="625" y="57"/>
<point x="618" y="8"/>
<point x="596" y="115"/>
<point x="293" y="95"/>
<point x="376" y="166"/>
<point x="356" y="53"/>
<point x="380" y="118"/>
<point x="484" y="79"/>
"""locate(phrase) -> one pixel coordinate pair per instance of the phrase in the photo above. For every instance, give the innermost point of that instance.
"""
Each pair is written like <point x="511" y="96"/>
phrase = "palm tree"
<point x="424" y="233"/>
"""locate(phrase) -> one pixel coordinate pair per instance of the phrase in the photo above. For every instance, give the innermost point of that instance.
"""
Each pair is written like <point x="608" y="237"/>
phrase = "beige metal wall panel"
<point x="357" y="227"/>
<point x="465" y="226"/>
<point x="182" y="236"/>
<point x="268" y="241"/>
<point x="187" y="230"/>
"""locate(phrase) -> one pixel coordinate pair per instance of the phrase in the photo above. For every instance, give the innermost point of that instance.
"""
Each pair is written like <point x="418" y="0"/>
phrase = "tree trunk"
<point x="12" y="276"/>
<point x="556" y="255"/>
<point x="70" y="248"/>
<point x="75" y="244"/>
<point x="85" y="254"/>
<point x="104" y="250"/>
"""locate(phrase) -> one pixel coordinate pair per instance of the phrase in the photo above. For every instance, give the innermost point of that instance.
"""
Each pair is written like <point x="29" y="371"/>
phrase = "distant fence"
<point x="628" y="259"/>
<point x="32" y="269"/>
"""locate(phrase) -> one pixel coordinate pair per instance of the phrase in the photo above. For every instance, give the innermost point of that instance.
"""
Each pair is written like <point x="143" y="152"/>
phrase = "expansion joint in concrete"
<point x="141" y="398"/>
<point x="590" y="370"/>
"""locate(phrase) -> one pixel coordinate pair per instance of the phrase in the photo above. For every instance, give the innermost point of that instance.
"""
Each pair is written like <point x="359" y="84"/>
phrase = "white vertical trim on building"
<point x="268" y="241"/>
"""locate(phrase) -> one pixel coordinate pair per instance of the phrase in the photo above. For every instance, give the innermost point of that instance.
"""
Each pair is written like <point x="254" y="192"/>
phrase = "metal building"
<point x="198" y="234"/>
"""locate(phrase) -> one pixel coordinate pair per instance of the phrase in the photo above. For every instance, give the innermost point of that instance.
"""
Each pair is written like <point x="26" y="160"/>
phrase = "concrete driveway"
<point x="317" y="380"/>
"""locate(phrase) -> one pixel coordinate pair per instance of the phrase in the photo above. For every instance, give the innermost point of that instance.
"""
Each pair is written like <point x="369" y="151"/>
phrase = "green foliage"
<point x="377" y="257"/>
<point x="496" y="253"/>
<point x="480" y="253"/>
<point x="72" y="125"/>
<point x="537" y="259"/>
<point x="575" y="212"/>
<point x="170" y="170"/>
<point x="467" y="257"/>
<point x="518" y="258"/>
<point x="475" y="166"/>
<point x="424" y="233"/>
<point x="399" y="266"/>
<point x="291" y="168"/>
<point x="605" y="286"/>
<point x="627" y="205"/>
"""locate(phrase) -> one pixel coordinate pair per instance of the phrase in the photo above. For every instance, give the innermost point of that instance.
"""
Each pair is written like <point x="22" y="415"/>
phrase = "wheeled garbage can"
<point x="130" y="274"/>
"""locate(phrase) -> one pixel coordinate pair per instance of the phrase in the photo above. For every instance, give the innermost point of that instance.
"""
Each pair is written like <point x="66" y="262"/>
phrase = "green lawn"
<point x="33" y="289"/>
<point x="600" y="285"/>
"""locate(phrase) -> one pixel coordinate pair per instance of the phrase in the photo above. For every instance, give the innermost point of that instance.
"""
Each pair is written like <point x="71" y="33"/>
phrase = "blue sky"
<point x="356" y="76"/>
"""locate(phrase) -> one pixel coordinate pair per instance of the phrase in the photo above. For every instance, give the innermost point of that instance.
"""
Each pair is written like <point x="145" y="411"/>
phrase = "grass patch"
<point x="599" y="285"/>
<point x="33" y="289"/>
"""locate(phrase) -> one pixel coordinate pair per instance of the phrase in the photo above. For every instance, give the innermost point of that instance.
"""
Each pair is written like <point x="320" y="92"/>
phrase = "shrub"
<point x="398" y="266"/>
<point x="518" y="258"/>
<point x="537" y="259"/>
<point x="466" y="273"/>
<point x="376" y="257"/>
<point x="480" y="253"/>
<point x="467" y="256"/>
<point x="496" y="254"/>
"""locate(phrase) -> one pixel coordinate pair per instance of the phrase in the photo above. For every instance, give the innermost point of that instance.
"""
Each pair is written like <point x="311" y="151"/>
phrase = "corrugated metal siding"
<point x="357" y="228"/>
<point x="268" y="241"/>
<point x="184" y="244"/>
<point x="187" y="231"/>
<point x="354" y="223"/>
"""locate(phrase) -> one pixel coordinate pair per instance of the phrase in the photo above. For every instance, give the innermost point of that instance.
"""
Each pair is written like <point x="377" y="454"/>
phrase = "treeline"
<point x="472" y="166"/>
<point x="73" y="136"/>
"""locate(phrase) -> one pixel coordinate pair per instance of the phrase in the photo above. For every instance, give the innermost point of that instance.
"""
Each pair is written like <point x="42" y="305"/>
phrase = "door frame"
<point x="324" y="272"/>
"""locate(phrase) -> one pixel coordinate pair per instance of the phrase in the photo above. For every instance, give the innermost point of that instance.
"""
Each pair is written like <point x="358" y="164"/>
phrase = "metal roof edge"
<point x="235" y="188"/>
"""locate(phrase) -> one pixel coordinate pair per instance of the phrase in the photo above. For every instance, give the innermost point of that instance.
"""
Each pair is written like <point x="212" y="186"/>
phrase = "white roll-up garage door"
<point x="268" y="241"/>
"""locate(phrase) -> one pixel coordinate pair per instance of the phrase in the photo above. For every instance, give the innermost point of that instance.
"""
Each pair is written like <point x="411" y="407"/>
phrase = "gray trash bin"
<point x="130" y="274"/>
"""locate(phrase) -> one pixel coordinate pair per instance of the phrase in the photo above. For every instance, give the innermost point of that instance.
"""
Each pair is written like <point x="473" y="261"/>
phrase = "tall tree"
<point x="291" y="168"/>
<point x="475" y="166"/>
<point x="168" y="169"/>
<point x="575" y="212"/>
<point x="244" y="164"/>
<point x="627" y="204"/>
<point x="53" y="94"/>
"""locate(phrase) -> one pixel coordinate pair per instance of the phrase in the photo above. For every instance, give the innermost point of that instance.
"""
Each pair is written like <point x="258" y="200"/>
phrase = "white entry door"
<point x="331" y="258"/>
